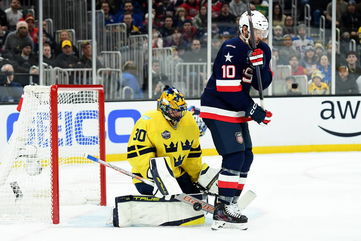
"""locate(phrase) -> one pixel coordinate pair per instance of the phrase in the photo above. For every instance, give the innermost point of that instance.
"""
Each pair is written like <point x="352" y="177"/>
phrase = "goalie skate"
<point x="228" y="216"/>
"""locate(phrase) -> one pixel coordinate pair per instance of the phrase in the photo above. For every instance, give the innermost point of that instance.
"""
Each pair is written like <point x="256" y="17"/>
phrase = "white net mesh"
<point x="26" y="173"/>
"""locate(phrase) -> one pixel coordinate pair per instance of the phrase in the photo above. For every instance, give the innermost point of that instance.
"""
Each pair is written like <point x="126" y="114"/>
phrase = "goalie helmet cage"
<point x="43" y="171"/>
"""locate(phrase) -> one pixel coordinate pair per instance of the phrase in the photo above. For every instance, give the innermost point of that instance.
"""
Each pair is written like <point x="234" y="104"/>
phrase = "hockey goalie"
<point x="164" y="147"/>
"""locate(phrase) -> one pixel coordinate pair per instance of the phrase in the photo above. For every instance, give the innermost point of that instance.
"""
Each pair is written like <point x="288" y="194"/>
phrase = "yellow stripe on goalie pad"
<point x="197" y="221"/>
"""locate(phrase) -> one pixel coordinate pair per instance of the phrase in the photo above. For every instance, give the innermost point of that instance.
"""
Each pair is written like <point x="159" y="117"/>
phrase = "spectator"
<point x="167" y="29"/>
<point x="352" y="64"/>
<point x="33" y="31"/>
<point x="65" y="35"/>
<point x="7" y="76"/>
<point x="131" y="28"/>
<point x="341" y="8"/>
<point x="320" y="50"/>
<point x="67" y="58"/>
<point x="277" y="35"/>
<point x="137" y="14"/>
<point x="25" y="60"/>
<point x="296" y="68"/>
<point x="345" y="84"/>
<point x="325" y="68"/>
<point x="225" y="19"/>
<point x="309" y="60"/>
<point x="287" y="49"/>
<point x="289" y="26"/>
<point x="18" y="38"/>
<point x="48" y="37"/>
<point x="191" y="7"/>
<point x="225" y="35"/>
<point x="180" y="17"/>
<point x="13" y="14"/>
<point x="301" y="41"/>
<point x="159" y="79"/>
<point x="48" y="57"/>
<point x="278" y="16"/>
<point x="237" y="7"/>
<point x="175" y="40"/>
<point x="7" y="81"/>
<point x="163" y="8"/>
<point x="292" y="86"/>
<point x="129" y="79"/>
<point x="351" y="20"/>
<point x="188" y="32"/>
<point x="86" y="60"/>
<point x="107" y="10"/>
<point x="200" y="20"/>
<point x="216" y="7"/>
<point x="144" y="28"/>
<point x="317" y="87"/>
<point x="196" y="54"/>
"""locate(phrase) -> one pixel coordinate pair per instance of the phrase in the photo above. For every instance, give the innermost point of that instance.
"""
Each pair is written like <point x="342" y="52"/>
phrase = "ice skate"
<point x="228" y="216"/>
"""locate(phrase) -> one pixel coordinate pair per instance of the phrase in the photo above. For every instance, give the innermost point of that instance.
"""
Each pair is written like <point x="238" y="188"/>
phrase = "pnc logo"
<point x="335" y="109"/>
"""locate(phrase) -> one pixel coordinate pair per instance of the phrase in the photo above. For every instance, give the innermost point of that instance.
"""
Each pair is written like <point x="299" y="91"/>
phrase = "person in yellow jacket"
<point x="317" y="87"/>
<point x="170" y="132"/>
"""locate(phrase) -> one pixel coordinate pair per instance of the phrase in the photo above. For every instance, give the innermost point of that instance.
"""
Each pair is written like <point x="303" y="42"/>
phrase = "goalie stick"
<point x="197" y="204"/>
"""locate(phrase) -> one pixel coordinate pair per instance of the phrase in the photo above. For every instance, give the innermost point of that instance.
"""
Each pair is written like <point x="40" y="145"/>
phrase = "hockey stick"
<point x="197" y="204"/>
<point x="253" y="46"/>
<point x="185" y="198"/>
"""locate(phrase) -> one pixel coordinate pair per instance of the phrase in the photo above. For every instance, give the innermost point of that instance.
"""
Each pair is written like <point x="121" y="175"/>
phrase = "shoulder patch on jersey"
<point x="231" y="46"/>
<point x="145" y="117"/>
<point x="166" y="134"/>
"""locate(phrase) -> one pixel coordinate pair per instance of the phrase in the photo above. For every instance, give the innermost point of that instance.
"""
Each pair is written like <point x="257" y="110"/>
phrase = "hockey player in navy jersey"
<point x="226" y="107"/>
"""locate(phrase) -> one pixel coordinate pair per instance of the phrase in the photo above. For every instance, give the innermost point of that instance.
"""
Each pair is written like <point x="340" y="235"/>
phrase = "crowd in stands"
<point x="303" y="50"/>
<point x="182" y="25"/>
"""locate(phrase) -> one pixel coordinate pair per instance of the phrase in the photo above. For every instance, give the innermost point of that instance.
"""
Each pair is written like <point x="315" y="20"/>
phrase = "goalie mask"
<point x="259" y="21"/>
<point x="172" y="104"/>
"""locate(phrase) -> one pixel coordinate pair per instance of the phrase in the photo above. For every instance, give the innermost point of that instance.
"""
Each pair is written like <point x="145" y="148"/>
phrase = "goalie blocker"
<point x="144" y="210"/>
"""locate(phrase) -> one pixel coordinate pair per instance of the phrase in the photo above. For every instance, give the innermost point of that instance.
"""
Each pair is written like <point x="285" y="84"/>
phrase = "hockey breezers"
<point x="195" y="202"/>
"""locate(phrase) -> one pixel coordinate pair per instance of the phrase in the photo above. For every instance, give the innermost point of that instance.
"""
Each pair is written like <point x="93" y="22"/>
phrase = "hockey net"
<point x="43" y="166"/>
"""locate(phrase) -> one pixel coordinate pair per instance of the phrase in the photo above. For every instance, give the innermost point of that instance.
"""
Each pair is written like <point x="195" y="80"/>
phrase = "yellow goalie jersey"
<point x="153" y="136"/>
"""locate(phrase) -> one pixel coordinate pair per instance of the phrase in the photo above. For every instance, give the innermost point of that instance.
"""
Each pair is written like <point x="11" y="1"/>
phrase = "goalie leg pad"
<point x="163" y="176"/>
<point x="140" y="210"/>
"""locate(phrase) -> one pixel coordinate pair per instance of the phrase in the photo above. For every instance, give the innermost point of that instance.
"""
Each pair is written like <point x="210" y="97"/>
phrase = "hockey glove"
<point x="247" y="75"/>
<point x="258" y="114"/>
<point x="255" y="57"/>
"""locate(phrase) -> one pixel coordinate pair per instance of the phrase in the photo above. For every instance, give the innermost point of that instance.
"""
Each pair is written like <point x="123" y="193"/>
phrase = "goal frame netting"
<point x="43" y="169"/>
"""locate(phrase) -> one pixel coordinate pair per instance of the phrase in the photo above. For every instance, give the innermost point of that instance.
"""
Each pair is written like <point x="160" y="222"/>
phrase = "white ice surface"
<point x="305" y="197"/>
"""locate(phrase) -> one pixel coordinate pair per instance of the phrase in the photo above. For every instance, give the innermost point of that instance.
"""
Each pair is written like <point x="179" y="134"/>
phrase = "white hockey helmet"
<point x="259" y="21"/>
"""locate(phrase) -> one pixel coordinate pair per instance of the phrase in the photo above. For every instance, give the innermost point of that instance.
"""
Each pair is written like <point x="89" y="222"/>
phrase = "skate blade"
<point x="217" y="225"/>
<point x="240" y="226"/>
